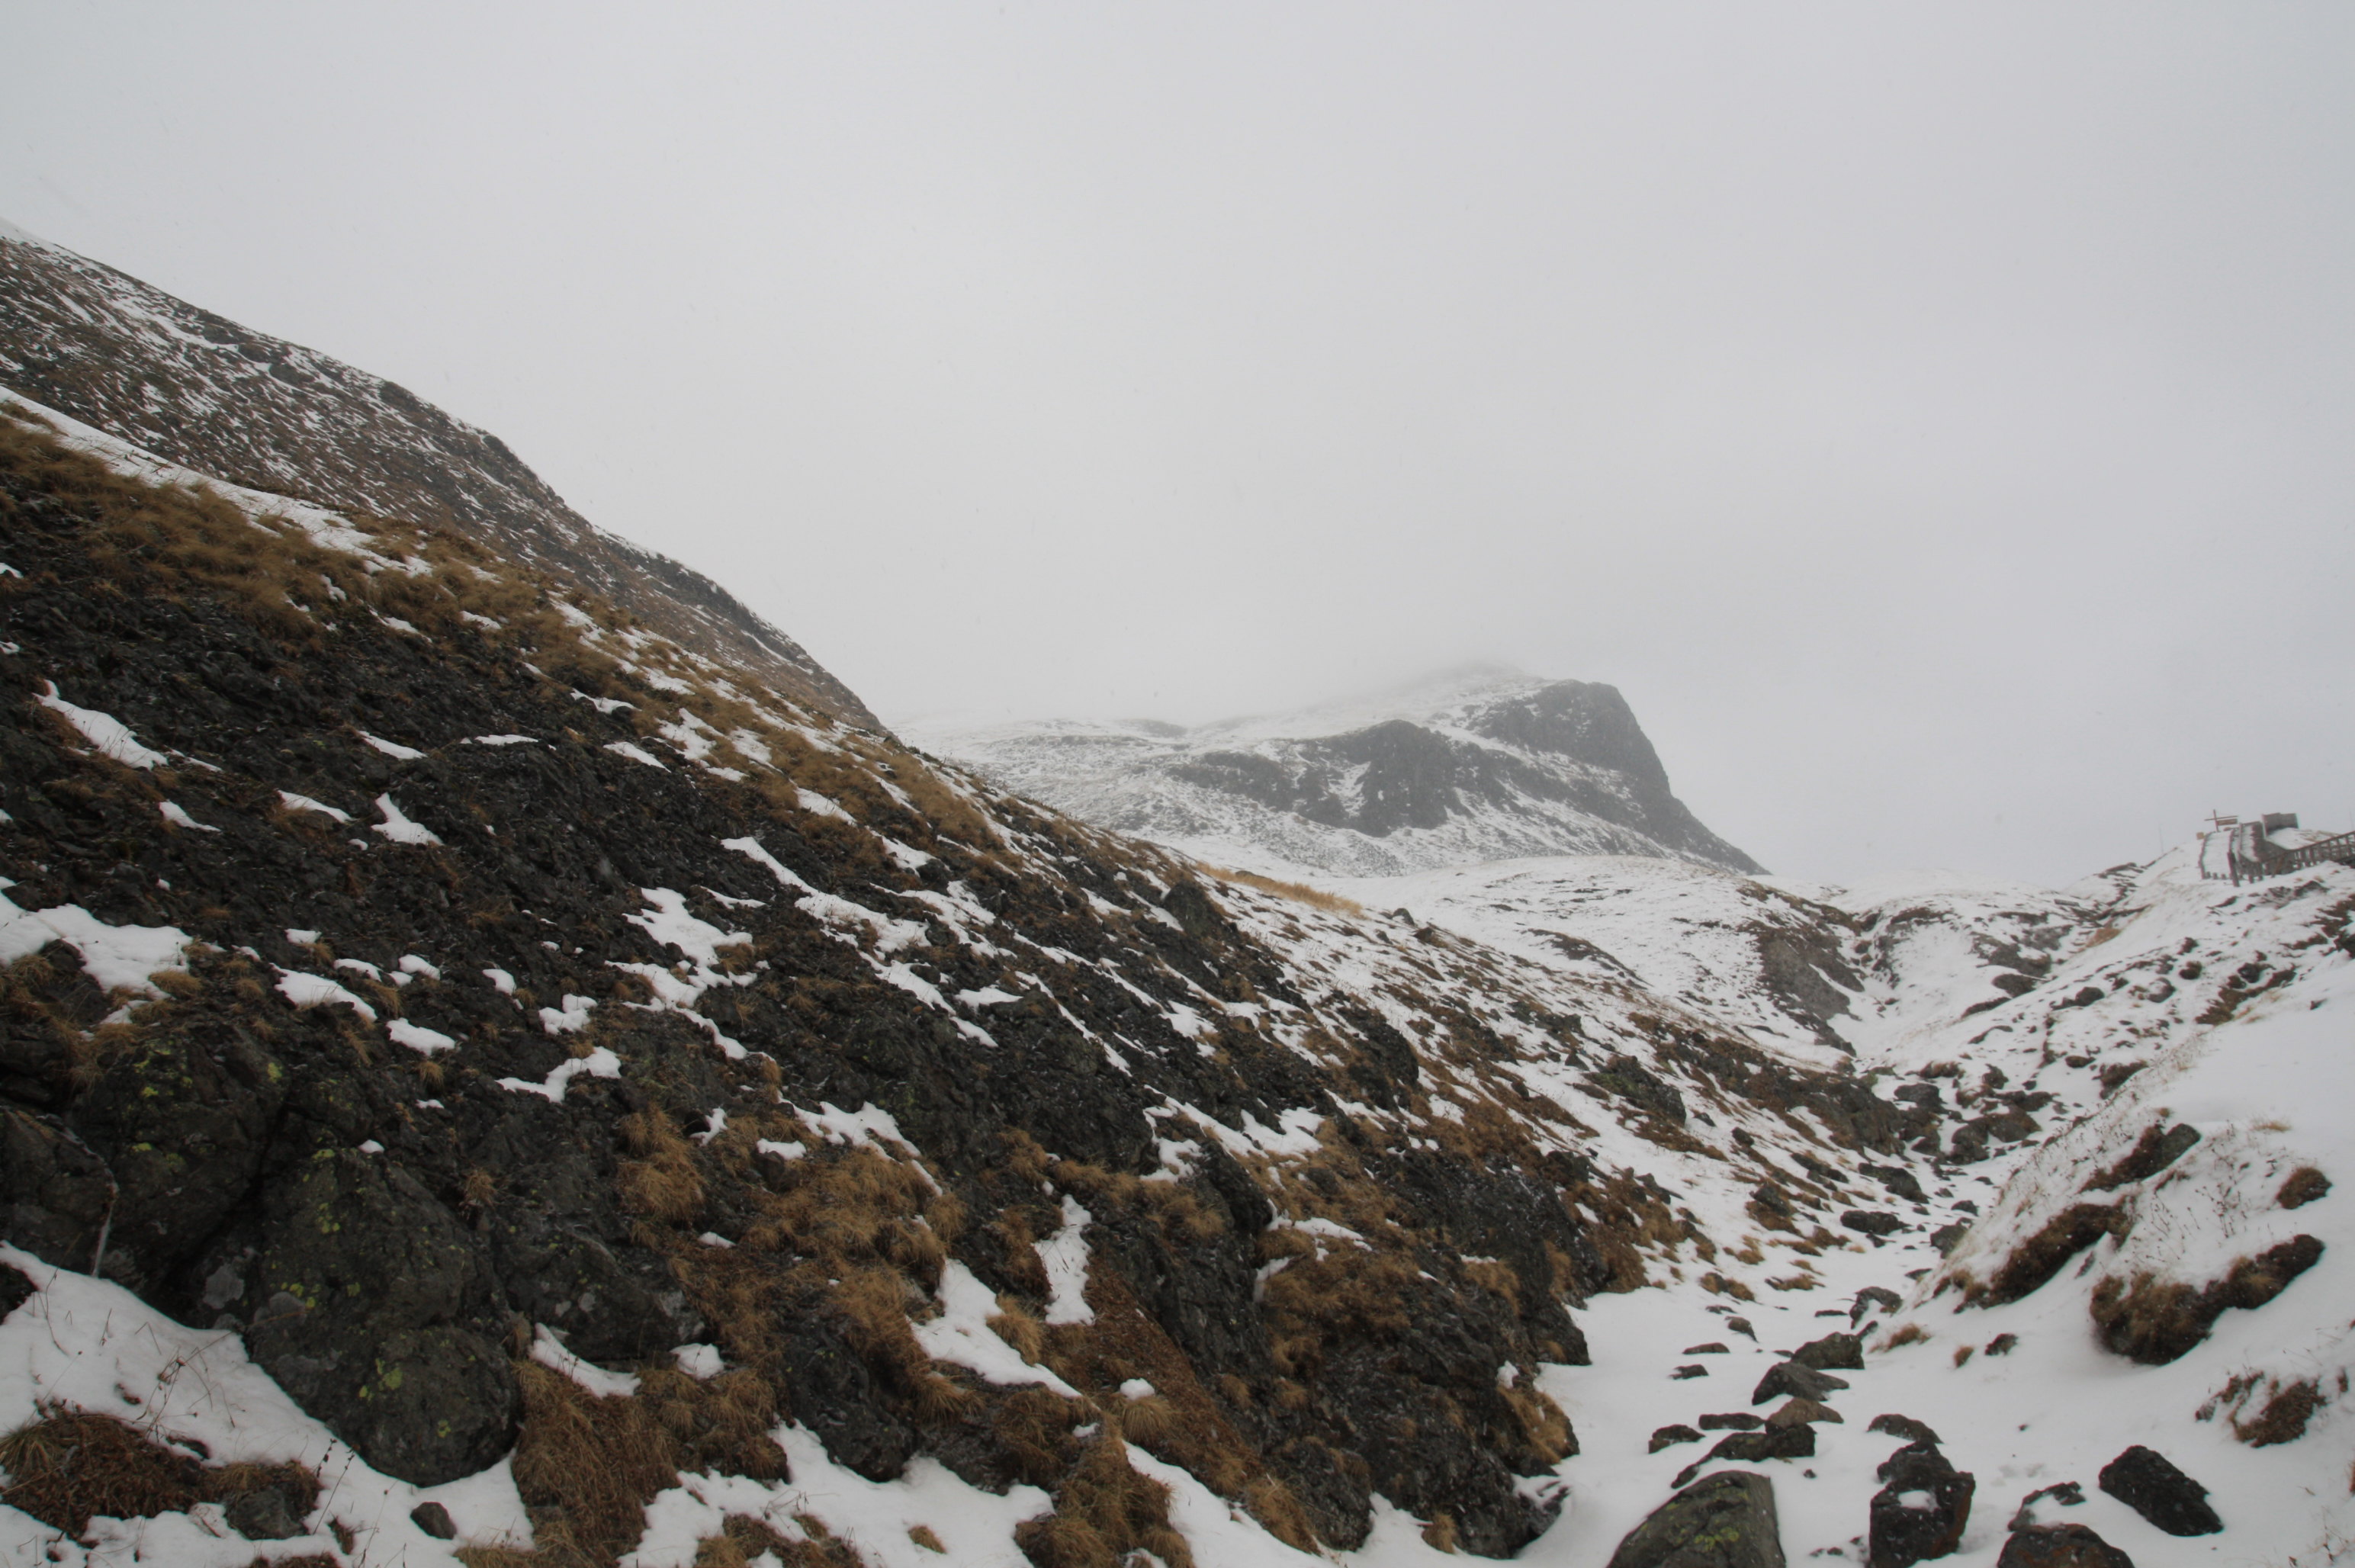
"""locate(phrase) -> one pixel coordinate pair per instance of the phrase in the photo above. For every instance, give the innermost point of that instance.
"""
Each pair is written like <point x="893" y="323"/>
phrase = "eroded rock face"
<point x="1922" y="1510"/>
<point x="2148" y="1482"/>
<point x="1726" y="1521"/>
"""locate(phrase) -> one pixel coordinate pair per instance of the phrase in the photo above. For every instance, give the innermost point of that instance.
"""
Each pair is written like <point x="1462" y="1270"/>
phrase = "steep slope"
<point x="196" y="390"/>
<point x="526" y="986"/>
<point x="480" y="1080"/>
<point x="1479" y="766"/>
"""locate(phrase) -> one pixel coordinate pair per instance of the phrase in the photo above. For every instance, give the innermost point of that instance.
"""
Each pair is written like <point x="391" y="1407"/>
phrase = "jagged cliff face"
<point x="472" y="1064"/>
<point x="200" y="390"/>
<point x="1482" y="766"/>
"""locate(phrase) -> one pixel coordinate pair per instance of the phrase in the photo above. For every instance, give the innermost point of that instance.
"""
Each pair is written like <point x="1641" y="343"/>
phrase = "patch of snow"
<point x="294" y="802"/>
<point x="552" y="1353"/>
<point x="635" y="753"/>
<point x="179" y="818"/>
<point x="418" y="1037"/>
<point x="1065" y="1256"/>
<point x="598" y="1064"/>
<point x="317" y="990"/>
<point x="112" y="737"/>
<point x="114" y="957"/>
<point x="398" y="827"/>
<point x="569" y="1018"/>
<point x="392" y="749"/>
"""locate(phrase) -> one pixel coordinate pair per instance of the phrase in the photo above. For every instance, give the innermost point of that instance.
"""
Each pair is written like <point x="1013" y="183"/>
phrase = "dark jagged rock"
<point x="1792" y="1378"/>
<point x="58" y="1191"/>
<point x="1731" y="1421"/>
<point x="1904" y="1426"/>
<point x="1922" y="1510"/>
<point x="2149" y="1483"/>
<point x="1796" y="1442"/>
<point x="2060" y="1546"/>
<point x="1670" y="1436"/>
<point x="1873" y="1222"/>
<point x="15" y="1289"/>
<point x="434" y="1521"/>
<point x="1725" y="1522"/>
<point x="1800" y="1411"/>
<point x="1833" y="1352"/>
<point x="267" y="1513"/>
<point x="1870" y="1297"/>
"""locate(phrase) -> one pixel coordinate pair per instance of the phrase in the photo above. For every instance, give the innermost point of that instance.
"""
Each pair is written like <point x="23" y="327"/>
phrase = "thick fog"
<point x="1938" y="420"/>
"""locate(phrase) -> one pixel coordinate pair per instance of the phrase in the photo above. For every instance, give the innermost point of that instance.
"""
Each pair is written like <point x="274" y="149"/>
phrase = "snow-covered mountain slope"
<point x="203" y="392"/>
<point x="1476" y="765"/>
<point x="481" y="1081"/>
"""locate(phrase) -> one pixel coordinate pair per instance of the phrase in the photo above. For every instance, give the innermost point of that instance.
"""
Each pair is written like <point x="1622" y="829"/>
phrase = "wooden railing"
<point x="2271" y="861"/>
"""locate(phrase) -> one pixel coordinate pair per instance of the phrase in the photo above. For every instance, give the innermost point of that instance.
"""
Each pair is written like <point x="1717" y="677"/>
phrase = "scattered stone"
<point x="1725" y="1522"/>
<point x="15" y="1289"/>
<point x="1683" y="1372"/>
<point x="1799" y="1412"/>
<point x="1791" y="1378"/>
<point x="1670" y="1436"/>
<point x="263" y="1514"/>
<point x="1734" y="1420"/>
<point x="1873" y="1296"/>
<point x="434" y="1521"/>
<point x="2068" y="1494"/>
<point x="1711" y="1349"/>
<point x="1946" y="1238"/>
<point x="2060" y="1546"/>
<point x="1750" y="1447"/>
<point x="1772" y="1198"/>
<point x="1904" y="1426"/>
<point x="1922" y="1510"/>
<point x="2151" y="1486"/>
<point x="1843" y="1353"/>
<point x="2305" y="1185"/>
<point x="2002" y="1344"/>
<point x="1873" y="1222"/>
<point x="1742" y="1326"/>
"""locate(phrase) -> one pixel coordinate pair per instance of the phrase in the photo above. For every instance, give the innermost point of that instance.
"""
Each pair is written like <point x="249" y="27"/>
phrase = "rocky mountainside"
<point x="190" y="387"/>
<point x="482" y="1081"/>
<point x="1483" y="765"/>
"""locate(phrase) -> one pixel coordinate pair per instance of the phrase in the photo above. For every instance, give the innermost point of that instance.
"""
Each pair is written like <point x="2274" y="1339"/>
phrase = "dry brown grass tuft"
<point x="1905" y="1334"/>
<point x="663" y="1183"/>
<point x="598" y="1461"/>
<point x="1104" y="1510"/>
<point x="2041" y="1257"/>
<point x="1298" y="893"/>
<point x="2287" y="1408"/>
<point x="1542" y="1423"/>
<point x="69" y="1465"/>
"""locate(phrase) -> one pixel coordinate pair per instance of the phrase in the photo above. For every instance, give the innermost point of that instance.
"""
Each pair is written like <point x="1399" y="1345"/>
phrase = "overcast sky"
<point x="1938" y="420"/>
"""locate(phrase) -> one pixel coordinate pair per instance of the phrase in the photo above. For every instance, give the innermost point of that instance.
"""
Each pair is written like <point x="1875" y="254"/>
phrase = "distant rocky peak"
<point x="1472" y="765"/>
